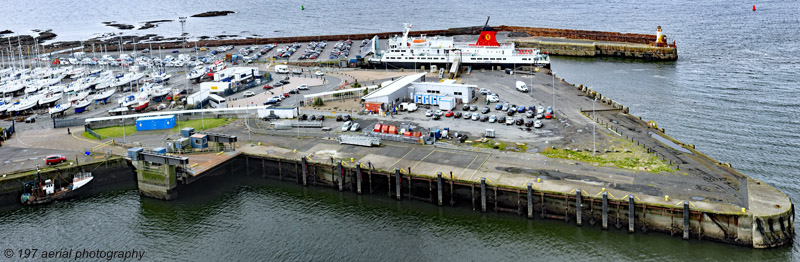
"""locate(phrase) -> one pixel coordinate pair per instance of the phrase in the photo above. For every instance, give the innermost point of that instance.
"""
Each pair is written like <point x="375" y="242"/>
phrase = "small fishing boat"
<point x="39" y="192"/>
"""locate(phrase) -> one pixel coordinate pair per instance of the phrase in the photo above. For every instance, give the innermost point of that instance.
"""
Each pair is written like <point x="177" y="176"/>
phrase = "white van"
<point x="410" y="107"/>
<point x="521" y="86"/>
<point x="282" y="69"/>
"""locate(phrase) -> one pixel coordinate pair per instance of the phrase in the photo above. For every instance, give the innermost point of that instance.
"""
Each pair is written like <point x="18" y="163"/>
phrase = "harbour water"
<point x="732" y="92"/>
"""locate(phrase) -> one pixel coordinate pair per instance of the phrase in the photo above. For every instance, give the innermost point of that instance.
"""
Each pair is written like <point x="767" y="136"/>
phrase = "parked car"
<point x="529" y="114"/>
<point x="320" y="117"/>
<point x="272" y="101"/>
<point x="529" y="123"/>
<point x="429" y="113"/>
<point x="537" y="124"/>
<point x="467" y="115"/>
<point x="267" y="87"/>
<point x="55" y="159"/>
<point x="355" y="127"/>
<point x="277" y="84"/>
<point x="285" y="81"/>
<point x="485" y="110"/>
<point x="437" y="117"/>
<point x="509" y="121"/>
<point x="493" y="98"/>
<point x="346" y="118"/>
<point x="449" y="113"/>
<point x="521" y="109"/>
<point x="248" y="93"/>
<point x="473" y="108"/>
<point x="505" y="107"/>
<point x="498" y="107"/>
<point x="277" y="97"/>
<point x="492" y="118"/>
<point x="465" y="107"/>
<point x="339" y="118"/>
<point x="319" y="73"/>
<point x="513" y="107"/>
<point x="539" y="116"/>
<point x="519" y="121"/>
<point x="294" y="91"/>
<point x="303" y="87"/>
<point x="510" y="112"/>
<point x="484" y="91"/>
<point x="539" y="109"/>
<point x="484" y="118"/>
<point x="501" y="119"/>
<point x="475" y="117"/>
<point x="547" y="115"/>
<point x="285" y="95"/>
<point x="346" y="126"/>
<point x="549" y="110"/>
<point x="457" y="115"/>
<point x="438" y="113"/>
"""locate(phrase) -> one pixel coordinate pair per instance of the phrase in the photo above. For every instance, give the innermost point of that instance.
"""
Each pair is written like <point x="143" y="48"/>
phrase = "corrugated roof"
<point x="156" y="117"/>
<point x="394" y="86"/>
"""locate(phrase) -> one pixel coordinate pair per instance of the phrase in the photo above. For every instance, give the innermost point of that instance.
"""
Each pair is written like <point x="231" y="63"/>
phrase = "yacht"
<point x="59" y="108"/>
<point x="81" y="105"/>
<point x="102" y="97"/>
<point x="50" y="97"/>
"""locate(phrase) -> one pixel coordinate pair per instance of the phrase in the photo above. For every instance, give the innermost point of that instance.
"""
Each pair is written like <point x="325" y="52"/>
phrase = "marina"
<point x="343" y="115"/>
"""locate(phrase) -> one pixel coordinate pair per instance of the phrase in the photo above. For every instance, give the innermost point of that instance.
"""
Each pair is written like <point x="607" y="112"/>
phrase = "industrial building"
<point x="447" y="95"/>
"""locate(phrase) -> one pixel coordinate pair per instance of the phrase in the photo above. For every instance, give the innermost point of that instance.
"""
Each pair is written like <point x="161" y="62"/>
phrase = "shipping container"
<point x="187" y="131"/>
<point x="199" y="141"/>
<point x="373" y="106"/>
<point x="385" y="129"/>
<point x="155" y="123"/>
<point x="393" y="130"/>
<point x="160" y="150"/>
<point x="377" y="128"/>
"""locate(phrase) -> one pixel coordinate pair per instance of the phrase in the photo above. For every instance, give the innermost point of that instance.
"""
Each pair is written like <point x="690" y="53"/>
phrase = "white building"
<point x="445" y="95"/>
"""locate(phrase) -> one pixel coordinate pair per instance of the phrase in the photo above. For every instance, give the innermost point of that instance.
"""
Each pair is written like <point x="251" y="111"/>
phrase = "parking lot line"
<point x="467" y="167"/>
<point x="423" y="159"/>
<point x="479" y="167"/>
<point x="401" y="158"/>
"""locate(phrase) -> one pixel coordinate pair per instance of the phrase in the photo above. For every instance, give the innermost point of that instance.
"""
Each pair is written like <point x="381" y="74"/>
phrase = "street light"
<point x="553" y="73"/>
<point x="122" y="120"/>
<point x="594" y="133"/>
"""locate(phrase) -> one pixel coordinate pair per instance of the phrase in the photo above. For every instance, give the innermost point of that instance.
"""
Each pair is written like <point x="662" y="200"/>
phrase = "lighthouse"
<point x="659" y="36"/>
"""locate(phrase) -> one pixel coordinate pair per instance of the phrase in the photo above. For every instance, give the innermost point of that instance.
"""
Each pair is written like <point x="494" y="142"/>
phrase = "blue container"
<point x="133" y="153"/>
<point x="353" y="60"/>
<point x="155" y="123"/>
<point x="199" y="141"/>
<point x="160" y="150"/>
<point x="437" y="133"/>
<point x="187" y="131"/>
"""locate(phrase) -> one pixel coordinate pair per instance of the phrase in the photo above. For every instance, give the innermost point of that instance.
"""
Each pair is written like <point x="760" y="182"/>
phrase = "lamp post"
<point x="122" y="120"/>
<point x="553" y="73"/>
<point x="594" y="133"/>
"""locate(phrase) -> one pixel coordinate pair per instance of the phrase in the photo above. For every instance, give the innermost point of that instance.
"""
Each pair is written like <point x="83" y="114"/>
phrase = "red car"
<point x="55" y="159"/>
<point x="267" y="87"/>
<point x="449" y="113"/>
<point x="548" y="115"/>
<point x="285" y="95"/>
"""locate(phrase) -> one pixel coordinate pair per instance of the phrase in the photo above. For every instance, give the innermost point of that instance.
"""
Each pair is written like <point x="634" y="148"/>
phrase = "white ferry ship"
<point x="406" y="52"/>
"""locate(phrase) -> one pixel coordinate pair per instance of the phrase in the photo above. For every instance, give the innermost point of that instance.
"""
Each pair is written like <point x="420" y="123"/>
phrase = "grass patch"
<point x="502" y="146"/>
<point x="198" y="124"/>
<point x="111" y="132"/>
<point x="626" y="160"/>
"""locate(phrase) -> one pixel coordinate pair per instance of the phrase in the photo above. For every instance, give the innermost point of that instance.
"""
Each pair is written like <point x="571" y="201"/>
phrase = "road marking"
<point x="401" y="158"/>
<point x="467" y="167"/>
<point x="426" y="156"/>
<point x="84" y="140"/>
<point x="479" y="167"/>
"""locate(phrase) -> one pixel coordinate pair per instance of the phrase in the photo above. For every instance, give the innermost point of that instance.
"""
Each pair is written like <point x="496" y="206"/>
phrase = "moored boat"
<point x="42" y="192"/>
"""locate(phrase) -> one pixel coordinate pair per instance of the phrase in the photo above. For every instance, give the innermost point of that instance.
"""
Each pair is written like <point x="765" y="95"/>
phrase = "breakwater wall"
<point x="637" y="40"/>
<point x="107" y="172"/>
<point x="602" y="210"/>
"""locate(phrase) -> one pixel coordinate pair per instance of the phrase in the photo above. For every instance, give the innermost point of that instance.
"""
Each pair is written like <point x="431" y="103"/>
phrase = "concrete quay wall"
<point x="595" y="49"/>
<point x="580" y="208"/>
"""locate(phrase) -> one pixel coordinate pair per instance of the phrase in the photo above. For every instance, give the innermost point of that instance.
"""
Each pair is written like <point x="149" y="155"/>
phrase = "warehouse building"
<point x="447" y="95"/>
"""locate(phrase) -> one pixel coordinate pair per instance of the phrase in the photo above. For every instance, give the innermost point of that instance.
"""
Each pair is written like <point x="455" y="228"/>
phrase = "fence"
<point x="90" y="131"/>
<point x="68" y="122"/>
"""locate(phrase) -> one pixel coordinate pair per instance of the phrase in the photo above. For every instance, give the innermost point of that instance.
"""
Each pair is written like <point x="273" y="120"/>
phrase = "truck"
<point x="282" y="69"/>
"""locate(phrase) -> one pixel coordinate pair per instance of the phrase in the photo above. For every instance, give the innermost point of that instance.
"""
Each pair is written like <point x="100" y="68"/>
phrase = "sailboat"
<point x="81" y="105"/>
<point x="103" y="96"/>
<point x="59" y="108"/>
